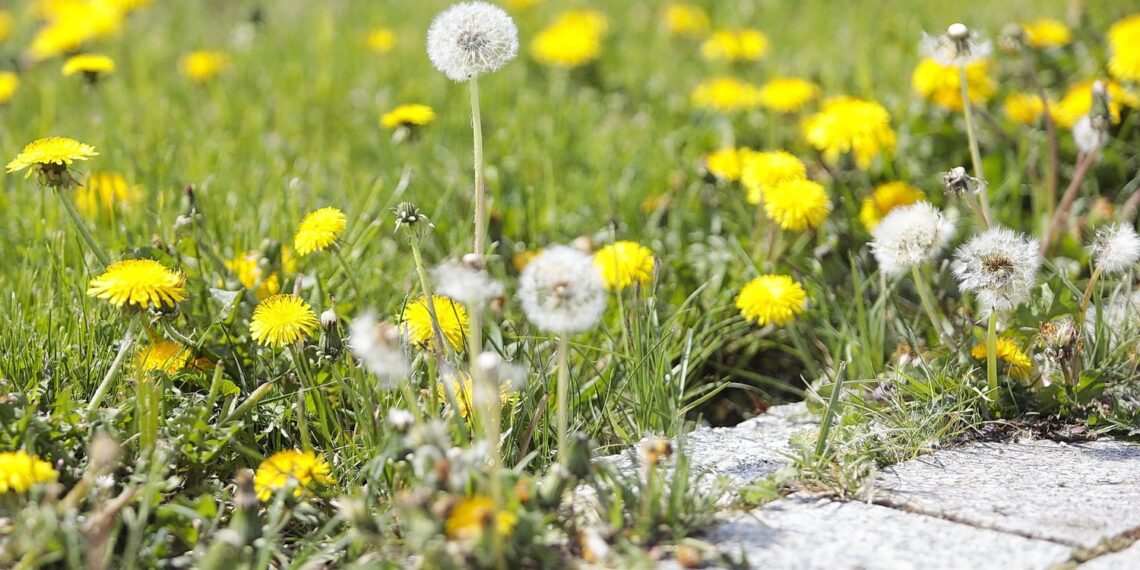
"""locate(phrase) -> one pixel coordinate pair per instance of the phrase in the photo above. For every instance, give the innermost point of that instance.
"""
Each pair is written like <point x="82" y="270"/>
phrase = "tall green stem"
<point x="84" y="233"/>
<point x="563" y="394"/>
<point x="348" y="271"/>
<point x="991" y="354"/>
<point x="109" y="378"/>
<point x="480" y="183"/>
<point x="926" y="296"/>
<point x="975" y="154"/>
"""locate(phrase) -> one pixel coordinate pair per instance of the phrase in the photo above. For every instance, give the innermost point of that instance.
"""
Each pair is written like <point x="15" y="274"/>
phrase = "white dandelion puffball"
<point x="470" y="39"/>
<point x="377" y="345"/>
<point x="466" y="283"/>
<point x="1088" y="137"/>
<point x="1116" y="248"/>
<point x="562" y="291"/>
<point x="999" y="266"/>
<point x="958" y="46"/>
<point x="909" y="236"/>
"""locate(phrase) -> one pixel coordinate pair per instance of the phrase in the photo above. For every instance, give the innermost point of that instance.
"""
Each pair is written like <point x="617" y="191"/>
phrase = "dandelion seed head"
<point x="466" y="281"/>
<point x="377" y="344"/>
<point x="470" y="39"/>
<point x="1116" y="248"/>
<point x="1088" y="137"/>
<point x="999" y="266"/>
<point x="909" y="236"/>
<point x="562" y="290"/>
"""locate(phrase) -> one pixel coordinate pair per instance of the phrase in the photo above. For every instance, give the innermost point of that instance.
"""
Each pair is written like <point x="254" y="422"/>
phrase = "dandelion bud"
<point x="1057" y="340"/>
<point x="1116" y="248"/>
<point x="410" y="217"/>
<point x="470" y="39"/>
<point x="1100" y="113"/>
<point x="331" y="342"/>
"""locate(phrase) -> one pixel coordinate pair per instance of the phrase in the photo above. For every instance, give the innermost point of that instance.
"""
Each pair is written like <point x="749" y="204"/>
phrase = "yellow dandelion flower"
<point x="762" y="170"/>
<point x="787" y="94"/>
<point x="304" y="469"/>
<point x="1077" y="102"/>
<point x="942" y="84"/>
<point x="771" y="299"/>
<point x="591" y="21"/>
<point x="726" y="163"/>
<point x="282" y="320"/>
<point x="70" y="25"/>
<point x="20" y="471"/>
<point x="9" y="84"/>
<point x="522" y="258"/>
<point x="1024" y="108"/>
<point x="1020" y="365"/>
<point x="685" y="20"/>
<point x="381" y="40"/>
<point x="105" y="192"/>
<point x="415" y="322"/>
<point x="735" y="45"/>
<point x="162" y="356"/>
<point x="319" y="230"/>
<point x="413" y="115"/>
<point x="797" y="204"/>
<point x="464" y="392"/>
<point x="567" y="45"/>
<point x="725" y="95"/>
<point x="1046" y="33"/>
<point x="5" y="24"/>
<point x="885" y="198"/>
<point x="203" y="65"/>
<point x="51" y="156"/>
<point x="91" y="64"/>
<point x="250" y="271"/>
<point x="1124" y="49"/>
<point x="847" y="124"/>
<point x="143" y="283"/>
<point x="624" y="263"/>
<point x="473" y="515"/>
<point x="521" y="4"/>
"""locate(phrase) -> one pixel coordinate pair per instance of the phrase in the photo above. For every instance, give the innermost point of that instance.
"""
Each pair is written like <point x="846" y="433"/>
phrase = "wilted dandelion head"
<point x="1124" y="49"/>
<point x="1116" y="248"/>
<point x="470" y="39"/>
<point x="466" y="281"/>
<point x="942" y="84"/>
<point x="281" y="320"/>
<point x="378" y="346"/>
<point x="847" y="124"/>
<point x="958" y="46"/>
<point x="763" y="170"/>
<point x="562" y="290"/>
<point x="771" y="299"/>
<point x="9" y="84"/>
<point x="725" y="95"/>
<point x="797" y="204"/>
<point x="999" y="266"/>
<point x="625" y="263"/>
<point x="787" y="94"/>
<point x="411" y="115"/>
<point x="685" y="20"/>
<point x="909" y="236"/>
<point x="727" y="163"/>
<point x="454" y="324"/>
<point x="735" y="45"/>
<point x="139" y="283"/>
<point x="319" y="230"/>
<point x="1019" y="364"/>
<point x="19" y="471"/>
<point x="303" y="469"/>
<point x="1024" y="108"/>
<point x="1046" y="33"/>
<point x="162" y="356"/>
<point x="887" y="197"/>
<point x="91" y="64"/>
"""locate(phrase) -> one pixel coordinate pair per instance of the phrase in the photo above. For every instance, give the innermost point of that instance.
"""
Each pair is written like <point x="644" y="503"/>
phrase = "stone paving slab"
<point x="752" y="450"/>
<point x="801" y="532"/>
<point x="1077" y="494"/>
<point x="1127" y="559"/>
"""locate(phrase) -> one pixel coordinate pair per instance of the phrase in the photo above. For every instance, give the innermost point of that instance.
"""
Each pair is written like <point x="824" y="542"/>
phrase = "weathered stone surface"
<point x="1075" y="494"/>
<point x="752" y="450"/>
<point x="802" y="532"/>
<point x="1127" y="559"/>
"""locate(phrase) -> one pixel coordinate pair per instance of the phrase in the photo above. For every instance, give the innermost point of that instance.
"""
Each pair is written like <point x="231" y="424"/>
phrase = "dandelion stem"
<point x="1081" y="315"/>
<point x="348" y="271"/>
<point x="480" y="183"/>
<point x="84" y="233"/>
<point x="975" y="154"/>
<point x="1084" y="162"/>
<point x="563" y="393"/>
<point x="105" y="385"/>
<point x="926" y="296"/>
<point x="991" y="353"/>
<point x="429" y="300"/>
<point x="244" y="408"/>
